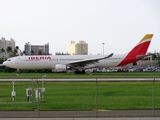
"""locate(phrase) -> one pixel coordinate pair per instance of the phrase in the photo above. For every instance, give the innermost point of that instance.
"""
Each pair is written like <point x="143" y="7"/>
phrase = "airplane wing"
<point x="85" y="62"/>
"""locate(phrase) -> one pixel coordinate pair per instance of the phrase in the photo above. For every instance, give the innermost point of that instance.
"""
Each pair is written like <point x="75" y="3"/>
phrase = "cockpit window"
<point x="9" y="60"/>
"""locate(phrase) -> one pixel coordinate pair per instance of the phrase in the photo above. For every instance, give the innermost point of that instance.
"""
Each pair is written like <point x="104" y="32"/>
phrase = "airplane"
<point x="78" y="63"/>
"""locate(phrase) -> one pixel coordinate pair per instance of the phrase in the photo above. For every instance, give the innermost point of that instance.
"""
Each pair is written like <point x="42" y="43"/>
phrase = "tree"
<point x="39" y="52"/>
<point x="155" y="56"/>
<point x="32" y="52"/>
<point x="9" y="50"/>
<point x="158" y="58"/>
<point x="2" y="50"/>
<point x="61" y="53"/>
<point x="17" y="47"/>
<point x="17" y="51"/>
<point x="24" y="52"/>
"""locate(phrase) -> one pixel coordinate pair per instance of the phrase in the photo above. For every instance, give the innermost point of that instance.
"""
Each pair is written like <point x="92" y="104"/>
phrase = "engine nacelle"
<point x="59" y="68"/>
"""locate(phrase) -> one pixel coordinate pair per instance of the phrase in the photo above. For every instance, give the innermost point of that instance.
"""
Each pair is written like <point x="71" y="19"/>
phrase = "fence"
<point x="81" y="97"/>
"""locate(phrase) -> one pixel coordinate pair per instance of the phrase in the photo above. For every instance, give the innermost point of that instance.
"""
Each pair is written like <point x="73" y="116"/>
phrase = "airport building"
<point x="80" y="48"/>
<point x="36" y="49"/>
<point x="4" y="44"/>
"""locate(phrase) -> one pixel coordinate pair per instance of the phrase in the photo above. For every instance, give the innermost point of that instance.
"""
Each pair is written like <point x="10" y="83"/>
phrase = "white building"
<point x="28" y="48"/>
<point x="80" y="48"/>
<point x="4" y="44"/>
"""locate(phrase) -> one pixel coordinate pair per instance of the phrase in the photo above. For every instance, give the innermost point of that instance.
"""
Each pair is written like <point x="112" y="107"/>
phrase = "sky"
<point x="119" y="24"/>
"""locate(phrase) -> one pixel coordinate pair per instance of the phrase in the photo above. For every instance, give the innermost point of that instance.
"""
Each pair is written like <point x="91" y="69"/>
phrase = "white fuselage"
<point x="41" y="62"/>
<point x="62" y="62"/>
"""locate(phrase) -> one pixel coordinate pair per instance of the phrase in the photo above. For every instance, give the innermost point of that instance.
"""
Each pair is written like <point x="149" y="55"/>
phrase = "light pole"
<point x="103" y="47"/>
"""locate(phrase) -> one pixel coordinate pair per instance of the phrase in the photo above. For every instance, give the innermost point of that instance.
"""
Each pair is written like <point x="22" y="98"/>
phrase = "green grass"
<point x="87" y="75"/>
<point x="82" y="96"/>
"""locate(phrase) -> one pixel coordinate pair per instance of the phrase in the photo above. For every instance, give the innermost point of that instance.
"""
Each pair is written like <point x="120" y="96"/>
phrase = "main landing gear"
<point x="18" y="71"/>
<point x="77" y="71"/>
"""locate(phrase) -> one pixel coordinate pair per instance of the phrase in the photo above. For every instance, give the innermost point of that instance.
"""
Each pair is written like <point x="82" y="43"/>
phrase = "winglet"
<point x="110" y="55"/>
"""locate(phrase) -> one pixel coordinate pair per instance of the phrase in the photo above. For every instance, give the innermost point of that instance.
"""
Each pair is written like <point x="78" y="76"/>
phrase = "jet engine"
<point x="59" y="68"/>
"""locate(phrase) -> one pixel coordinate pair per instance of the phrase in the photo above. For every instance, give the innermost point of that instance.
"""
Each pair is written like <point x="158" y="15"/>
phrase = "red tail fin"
<point x="139" y="50"/>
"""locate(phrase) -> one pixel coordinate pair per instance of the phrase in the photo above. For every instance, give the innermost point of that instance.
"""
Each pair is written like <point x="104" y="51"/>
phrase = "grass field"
<point x="82" y="96"/>
<point x="87" y="75"/>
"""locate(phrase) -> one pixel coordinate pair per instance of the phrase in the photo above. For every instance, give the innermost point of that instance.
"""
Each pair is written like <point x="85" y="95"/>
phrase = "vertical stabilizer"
<point x="139" y="50"/>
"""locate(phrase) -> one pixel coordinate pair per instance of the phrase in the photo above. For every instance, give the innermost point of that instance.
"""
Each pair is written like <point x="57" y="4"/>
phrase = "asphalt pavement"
<point x="80" y="114"/>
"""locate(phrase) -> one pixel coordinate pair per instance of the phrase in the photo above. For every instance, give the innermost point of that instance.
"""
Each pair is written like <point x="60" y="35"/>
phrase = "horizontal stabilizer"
<point x="140" y="57"/>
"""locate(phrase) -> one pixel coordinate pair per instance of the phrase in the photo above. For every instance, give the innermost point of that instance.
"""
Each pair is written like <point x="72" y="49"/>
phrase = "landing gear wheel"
<point x="18" y="71"/>
<point x="79" y="72"/>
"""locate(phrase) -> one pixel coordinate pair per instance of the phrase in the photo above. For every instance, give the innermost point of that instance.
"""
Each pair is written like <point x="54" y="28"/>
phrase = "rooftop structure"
<point x="80" y="48"/>
<point x="36" y="49"/>
<point x="4" y="44"/>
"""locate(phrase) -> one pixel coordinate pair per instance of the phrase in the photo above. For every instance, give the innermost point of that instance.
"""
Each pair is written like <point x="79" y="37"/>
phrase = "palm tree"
<point x="9" y="50"/>
<point x="158" y="58"/>
<point x="32" y="52"/>
<point x="3" y="51"/>
<point x="23" y="53"/>
<point x="39" y="52"/>
<point x="16" y="51"/>
<point x="17" y="47"/>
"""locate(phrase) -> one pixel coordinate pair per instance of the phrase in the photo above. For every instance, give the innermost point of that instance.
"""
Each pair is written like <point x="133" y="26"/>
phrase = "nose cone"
<point x="9" y="63"/>
<point x="4" y="63"/>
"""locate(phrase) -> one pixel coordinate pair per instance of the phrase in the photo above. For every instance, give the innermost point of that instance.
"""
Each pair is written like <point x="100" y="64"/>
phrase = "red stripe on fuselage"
<point x="140" y="49"/>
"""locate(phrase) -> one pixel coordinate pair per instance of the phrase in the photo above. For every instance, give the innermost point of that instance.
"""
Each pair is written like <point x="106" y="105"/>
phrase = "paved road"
<point x="90" y="80"/>
<point x="79" y="114"/>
